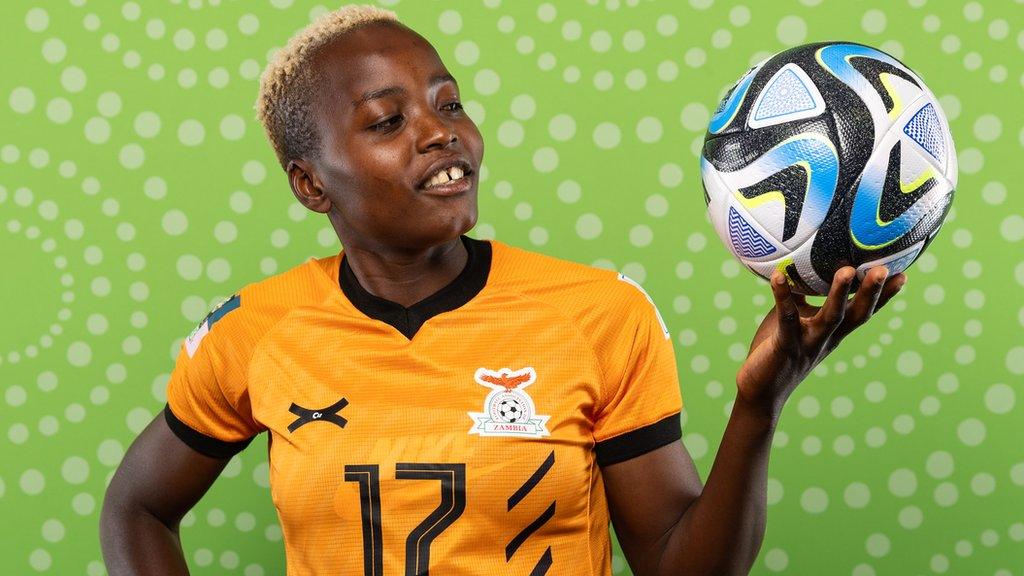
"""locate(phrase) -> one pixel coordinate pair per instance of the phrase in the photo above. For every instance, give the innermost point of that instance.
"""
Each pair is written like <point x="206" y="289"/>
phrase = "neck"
<point x="406" y="277"/>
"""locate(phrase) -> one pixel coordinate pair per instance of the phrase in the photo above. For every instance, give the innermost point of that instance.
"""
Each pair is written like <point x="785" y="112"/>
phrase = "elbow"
<point x="113" y="526"/>
<point x="113" y="516"/>
<point x="122" y="509"/>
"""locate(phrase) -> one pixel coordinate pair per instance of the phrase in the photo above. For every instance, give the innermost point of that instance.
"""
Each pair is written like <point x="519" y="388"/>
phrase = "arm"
<point x="158" y="481"/>
<point x="668" y="524"/>
<point x="665" y="522"/>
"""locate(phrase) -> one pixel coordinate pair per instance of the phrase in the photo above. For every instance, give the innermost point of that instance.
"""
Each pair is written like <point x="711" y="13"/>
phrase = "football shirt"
<point x="464" y="434"/>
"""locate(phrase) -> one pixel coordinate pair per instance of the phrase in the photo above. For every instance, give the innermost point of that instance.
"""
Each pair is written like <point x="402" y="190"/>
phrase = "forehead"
<point x="373" y="56"/>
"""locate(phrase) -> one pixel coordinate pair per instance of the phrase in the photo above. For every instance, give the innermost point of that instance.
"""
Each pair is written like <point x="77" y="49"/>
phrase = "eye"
<point x="453" y="106"/>
<point x="387" y="124"/>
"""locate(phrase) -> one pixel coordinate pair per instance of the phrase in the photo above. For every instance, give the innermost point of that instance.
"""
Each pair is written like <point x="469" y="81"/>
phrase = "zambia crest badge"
<point x="508" y="409"/>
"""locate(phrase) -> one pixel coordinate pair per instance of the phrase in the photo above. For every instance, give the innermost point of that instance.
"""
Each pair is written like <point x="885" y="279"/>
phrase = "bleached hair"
<point x="289" y="83"/>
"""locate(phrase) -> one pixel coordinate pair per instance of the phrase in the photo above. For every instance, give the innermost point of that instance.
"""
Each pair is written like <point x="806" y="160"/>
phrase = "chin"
<point x="442" y="224"/>
<point x="463" y="218"/>
<point x="469" y="222"/>
<point x="442" y="232"/>
<point x="455" y="230"/>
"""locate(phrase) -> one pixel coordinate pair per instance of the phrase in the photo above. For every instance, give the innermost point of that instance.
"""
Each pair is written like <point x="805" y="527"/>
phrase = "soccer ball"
<point x="511" y="410"/>
<point x="828" y="155"/>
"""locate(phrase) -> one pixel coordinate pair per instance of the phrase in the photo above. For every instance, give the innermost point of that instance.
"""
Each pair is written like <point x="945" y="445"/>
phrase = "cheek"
<point x="383" y="162"/>
<point x="475" y="141"/>
<point x="381" y="178"/>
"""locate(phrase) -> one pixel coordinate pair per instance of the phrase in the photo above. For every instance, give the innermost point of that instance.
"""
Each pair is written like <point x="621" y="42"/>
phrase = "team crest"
<point x="508" y="409"/>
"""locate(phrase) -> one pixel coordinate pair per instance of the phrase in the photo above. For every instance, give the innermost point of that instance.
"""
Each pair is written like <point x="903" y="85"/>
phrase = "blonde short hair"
<point x="288" y="83"/>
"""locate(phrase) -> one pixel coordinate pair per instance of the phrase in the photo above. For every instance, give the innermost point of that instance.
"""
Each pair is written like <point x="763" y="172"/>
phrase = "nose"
<point x="436" y="131"/>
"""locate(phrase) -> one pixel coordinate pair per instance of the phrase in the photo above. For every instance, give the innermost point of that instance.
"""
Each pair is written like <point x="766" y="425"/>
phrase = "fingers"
<point x="802" y="305"/>
<point x="788" y="314"/>
<point x="892" y="286"/>
<point x="875" y="291"/>
<point x="866" y="299"/>
<point x="864" y="302"/>
<point x="833" y="311"/>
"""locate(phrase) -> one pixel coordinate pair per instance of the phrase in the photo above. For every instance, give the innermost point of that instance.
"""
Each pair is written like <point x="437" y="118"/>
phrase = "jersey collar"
<point x="458" y="292"/>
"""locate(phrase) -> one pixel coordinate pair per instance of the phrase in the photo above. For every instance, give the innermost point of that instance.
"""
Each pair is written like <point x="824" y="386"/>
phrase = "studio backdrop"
<point x="137" y="190"/>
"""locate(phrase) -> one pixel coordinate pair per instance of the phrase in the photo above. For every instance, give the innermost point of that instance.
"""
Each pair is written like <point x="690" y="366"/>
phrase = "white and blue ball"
<point x="828" y="155"/>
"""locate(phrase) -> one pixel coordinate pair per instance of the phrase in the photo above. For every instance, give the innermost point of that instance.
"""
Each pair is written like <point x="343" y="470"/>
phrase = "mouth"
<point x="451" y="188"/>
<point x="451" y="177"/>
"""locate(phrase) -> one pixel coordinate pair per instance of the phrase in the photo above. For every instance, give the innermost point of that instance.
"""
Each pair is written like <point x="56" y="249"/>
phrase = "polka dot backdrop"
<point x="137" y="190"/>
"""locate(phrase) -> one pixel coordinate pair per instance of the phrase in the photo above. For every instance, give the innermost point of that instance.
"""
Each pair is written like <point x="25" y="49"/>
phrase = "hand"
<point x="795" y="336"/>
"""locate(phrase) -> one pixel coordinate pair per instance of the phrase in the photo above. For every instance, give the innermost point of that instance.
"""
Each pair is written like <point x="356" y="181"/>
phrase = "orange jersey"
<point x="461" y="435"/>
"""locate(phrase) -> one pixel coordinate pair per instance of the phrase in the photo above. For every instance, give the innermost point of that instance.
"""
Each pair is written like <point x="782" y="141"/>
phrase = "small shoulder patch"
<point x="219" y="311"/>
<point x="635" y="284"/>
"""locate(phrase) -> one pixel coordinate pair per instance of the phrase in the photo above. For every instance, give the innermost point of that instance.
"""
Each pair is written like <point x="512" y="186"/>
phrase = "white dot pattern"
<point x="162" y="197"/>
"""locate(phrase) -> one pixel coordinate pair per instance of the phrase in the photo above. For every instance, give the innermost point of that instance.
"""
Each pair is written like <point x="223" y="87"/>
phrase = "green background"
<point x="137" y="190"/>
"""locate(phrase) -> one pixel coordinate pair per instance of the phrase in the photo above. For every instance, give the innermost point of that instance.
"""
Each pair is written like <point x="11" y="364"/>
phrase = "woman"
<point x="443" y="405"/>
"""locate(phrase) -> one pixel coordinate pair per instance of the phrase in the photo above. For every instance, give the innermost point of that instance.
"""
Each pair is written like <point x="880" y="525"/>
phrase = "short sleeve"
<point x="640" y="399"/>
<point x="208" y="405"/>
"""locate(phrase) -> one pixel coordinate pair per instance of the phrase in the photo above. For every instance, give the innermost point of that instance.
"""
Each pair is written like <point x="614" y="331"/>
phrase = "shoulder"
<point x="241" y="319"/>
<point x="307" y="282"/>
<point x="582" y="291"/>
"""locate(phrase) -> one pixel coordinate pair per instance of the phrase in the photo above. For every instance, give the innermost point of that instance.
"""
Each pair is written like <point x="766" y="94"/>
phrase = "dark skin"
<point x="666" y="522"/>
<point x="403" y="245"/>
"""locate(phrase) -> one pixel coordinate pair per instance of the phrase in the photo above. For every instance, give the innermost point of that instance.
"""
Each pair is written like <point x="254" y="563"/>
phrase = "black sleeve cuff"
<point x="200" y="442"/>
<point x="639" y="442"/>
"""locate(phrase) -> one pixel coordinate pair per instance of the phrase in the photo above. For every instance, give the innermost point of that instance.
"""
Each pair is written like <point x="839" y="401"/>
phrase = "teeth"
<point x="439" y="178"/>
<point x="443" y="177"/>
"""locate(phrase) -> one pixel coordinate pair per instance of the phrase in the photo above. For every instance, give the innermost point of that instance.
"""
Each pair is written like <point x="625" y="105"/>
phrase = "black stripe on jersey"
<point x="543" y="564"/>
<point x="516" y="542"/>
<point x="639" y="442"/>
<point x="208" y="445"/>
<point x="532" y="481"/>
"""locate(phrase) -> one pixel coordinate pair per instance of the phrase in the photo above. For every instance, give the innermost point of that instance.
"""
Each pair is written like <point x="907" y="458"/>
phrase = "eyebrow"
<point x="398" y="90"/>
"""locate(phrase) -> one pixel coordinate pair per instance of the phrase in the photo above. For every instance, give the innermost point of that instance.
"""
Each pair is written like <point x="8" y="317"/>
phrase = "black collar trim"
<point x="458" y="292"/>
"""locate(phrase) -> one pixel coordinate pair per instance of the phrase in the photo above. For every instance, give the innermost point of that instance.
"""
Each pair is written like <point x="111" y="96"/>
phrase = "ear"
<point x="306" y="186"/>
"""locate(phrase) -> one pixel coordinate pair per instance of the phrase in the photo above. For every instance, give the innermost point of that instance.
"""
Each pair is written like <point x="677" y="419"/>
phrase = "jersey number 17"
<point x="417" y="544"/>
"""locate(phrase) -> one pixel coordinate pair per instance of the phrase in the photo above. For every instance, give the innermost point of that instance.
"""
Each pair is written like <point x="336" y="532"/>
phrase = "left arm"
<point x="665" y="522"/>
<point x="668" y="524"/>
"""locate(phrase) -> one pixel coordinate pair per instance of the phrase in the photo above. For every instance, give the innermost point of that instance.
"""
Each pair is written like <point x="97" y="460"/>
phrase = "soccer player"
<point x="435" y="404"/>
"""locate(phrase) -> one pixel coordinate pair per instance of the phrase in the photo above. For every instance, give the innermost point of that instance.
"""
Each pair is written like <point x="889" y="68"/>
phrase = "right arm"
<point x="158" y="481"/>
